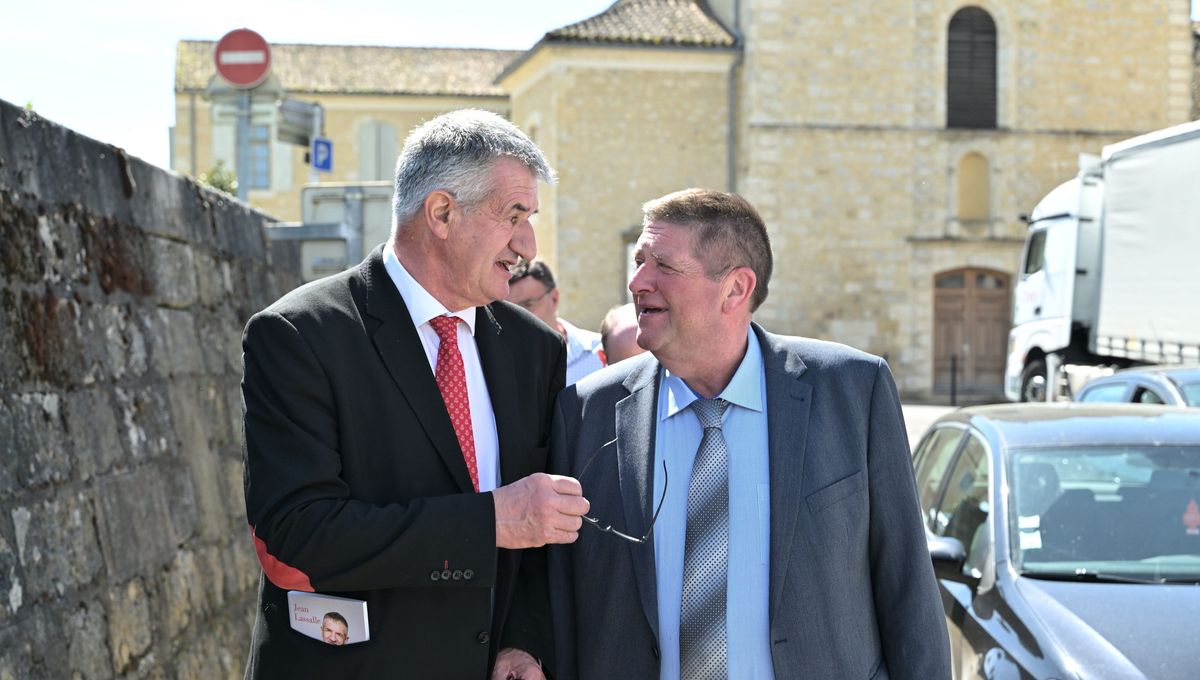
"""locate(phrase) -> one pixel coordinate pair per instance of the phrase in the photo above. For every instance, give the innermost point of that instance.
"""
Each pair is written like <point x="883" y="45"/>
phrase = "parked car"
<point x="1170" y="385"/>
<point x="1066" y="539"/>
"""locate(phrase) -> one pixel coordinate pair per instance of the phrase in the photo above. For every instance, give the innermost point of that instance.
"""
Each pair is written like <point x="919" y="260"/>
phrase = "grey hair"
<point x="455" y="152"/>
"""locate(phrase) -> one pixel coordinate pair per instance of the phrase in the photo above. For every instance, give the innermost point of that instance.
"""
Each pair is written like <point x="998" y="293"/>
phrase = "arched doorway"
<point x="970" y="330"/>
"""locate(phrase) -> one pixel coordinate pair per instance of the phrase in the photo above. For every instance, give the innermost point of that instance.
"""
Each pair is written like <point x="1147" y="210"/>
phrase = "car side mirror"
<point x="948" y="555"/>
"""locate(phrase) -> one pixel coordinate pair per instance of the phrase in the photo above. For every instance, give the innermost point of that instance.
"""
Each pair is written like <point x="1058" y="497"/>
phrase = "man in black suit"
<point x="397" y="419"/>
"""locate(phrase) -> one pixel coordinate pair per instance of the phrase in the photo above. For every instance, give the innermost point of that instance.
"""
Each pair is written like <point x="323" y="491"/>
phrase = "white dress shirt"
<point x="422" y="307"/>
<point x="583" y="352"/>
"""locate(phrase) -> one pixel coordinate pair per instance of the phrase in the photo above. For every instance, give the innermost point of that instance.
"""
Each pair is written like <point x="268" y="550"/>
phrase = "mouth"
<point x="506" y="265"/>
<point x="645" y="310"/>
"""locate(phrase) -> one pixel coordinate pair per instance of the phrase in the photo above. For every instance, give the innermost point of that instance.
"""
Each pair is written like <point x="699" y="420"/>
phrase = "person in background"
<point x="618" y="334"/>
<point x="532" y="287"/>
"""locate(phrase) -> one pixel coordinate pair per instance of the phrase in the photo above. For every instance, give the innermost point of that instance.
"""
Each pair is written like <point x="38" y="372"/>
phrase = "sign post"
<point x="243" y="59"/>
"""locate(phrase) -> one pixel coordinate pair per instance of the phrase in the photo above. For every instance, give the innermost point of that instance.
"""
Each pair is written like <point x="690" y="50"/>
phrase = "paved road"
<point x="918" y="418"/>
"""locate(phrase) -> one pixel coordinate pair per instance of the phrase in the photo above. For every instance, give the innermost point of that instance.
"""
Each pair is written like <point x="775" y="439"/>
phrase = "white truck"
<point x="1110" y="273"/>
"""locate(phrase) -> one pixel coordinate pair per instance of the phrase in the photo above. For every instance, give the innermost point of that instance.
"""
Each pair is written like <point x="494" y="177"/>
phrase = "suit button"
<point x="435" y="575"/>
<point x="446" y="575"/>
<point x="457" y="575"/>
<point x="468" y="574"/>
<point x="483" y="638"/>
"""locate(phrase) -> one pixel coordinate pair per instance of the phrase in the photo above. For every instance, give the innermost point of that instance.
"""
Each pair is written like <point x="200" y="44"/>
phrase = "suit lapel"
<point x="402" y="353"/>
<point x="498" y="371"/>
<point x="788" y="403"/>
<point x="635" y="429"/>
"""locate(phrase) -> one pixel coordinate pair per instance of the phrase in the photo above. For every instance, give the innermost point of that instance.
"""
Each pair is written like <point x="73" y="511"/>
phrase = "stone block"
<point x="185" y="594"/>
<point x="212" y="284"/>
<point x="175" y="346"/>
<point x="220" y="340"/>
<point x="133" y="519"/>
<point x="41" y="447"/>
<point x="46" y="331"/>
<point x="56" y="545"/>
<point x="130" y="628"/>
<point x="85" y="633"/>
<point x="9" y="459"/>
<point x="144" y="421"/>
<point x="91" y="429"/>
<point x="12" y="591"/>
<point x="174" y="273"/>
<point x="21" y="251"/>
<point x="191" y="430"/>
<point x="26" y="648"/>
<point x="185" y="517"/>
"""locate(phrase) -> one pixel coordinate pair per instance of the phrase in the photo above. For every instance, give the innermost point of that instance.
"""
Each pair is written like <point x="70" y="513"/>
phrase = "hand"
<point x="537" y="510"/>
<point x="516" y="664"/>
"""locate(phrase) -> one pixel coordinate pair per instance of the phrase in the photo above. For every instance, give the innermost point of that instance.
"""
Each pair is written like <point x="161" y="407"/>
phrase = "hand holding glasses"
<point x="607" y="528"/>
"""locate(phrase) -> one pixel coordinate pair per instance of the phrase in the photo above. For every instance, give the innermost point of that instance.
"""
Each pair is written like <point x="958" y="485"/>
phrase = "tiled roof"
<point x="338" y="69"/>
<point x="649" y="22"/>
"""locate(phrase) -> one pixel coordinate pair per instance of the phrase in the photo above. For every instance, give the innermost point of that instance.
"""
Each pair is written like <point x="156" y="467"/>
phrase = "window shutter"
<point x="971" y="70"/>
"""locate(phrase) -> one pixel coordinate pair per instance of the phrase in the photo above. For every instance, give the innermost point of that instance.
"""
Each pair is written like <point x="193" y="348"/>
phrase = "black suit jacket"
<point x="356" y="486"/>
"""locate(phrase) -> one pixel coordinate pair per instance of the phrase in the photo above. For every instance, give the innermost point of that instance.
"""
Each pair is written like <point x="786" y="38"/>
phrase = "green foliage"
<point x="220" y="178"/>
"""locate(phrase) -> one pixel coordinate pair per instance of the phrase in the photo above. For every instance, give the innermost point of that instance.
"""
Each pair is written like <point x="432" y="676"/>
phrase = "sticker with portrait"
<point x="328" y="618"/>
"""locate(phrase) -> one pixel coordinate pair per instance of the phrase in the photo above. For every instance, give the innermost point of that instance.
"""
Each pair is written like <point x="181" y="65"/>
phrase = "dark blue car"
<point x="1066" y="539"/>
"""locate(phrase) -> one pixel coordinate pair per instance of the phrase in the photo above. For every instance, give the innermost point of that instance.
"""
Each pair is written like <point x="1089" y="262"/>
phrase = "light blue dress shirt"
<point x="679" y="432"/>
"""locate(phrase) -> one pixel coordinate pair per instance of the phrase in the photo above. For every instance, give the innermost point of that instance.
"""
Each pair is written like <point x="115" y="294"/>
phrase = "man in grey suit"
<point x="789" y="541"/>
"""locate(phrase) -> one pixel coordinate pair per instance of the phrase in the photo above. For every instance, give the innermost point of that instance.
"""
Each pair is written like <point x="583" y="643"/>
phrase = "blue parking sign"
<point x="322" y="154"/>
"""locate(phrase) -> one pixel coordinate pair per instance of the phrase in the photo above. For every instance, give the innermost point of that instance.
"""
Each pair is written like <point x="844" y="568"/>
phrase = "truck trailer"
<point x="1110" y="271"/>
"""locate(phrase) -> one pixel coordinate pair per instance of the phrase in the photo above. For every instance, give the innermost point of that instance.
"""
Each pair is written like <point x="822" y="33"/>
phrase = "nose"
<point x="640" y="282"/>
<point x="524" y="241"/>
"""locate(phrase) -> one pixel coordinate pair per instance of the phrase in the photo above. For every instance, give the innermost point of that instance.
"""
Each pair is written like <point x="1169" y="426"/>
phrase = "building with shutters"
<point x="892" y="147"/>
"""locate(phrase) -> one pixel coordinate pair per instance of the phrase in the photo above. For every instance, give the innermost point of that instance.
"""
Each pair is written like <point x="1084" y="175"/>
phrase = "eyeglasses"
<point x="607" y="528"/>
<point x="528" y="304"/>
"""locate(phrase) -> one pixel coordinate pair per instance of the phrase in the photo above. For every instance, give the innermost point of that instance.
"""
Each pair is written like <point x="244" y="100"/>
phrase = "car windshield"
<point x="1117" y="511"/>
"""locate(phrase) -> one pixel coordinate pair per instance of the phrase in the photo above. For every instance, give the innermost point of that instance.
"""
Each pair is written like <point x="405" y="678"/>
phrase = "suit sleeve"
<point x="529" y="625"/>
<point x="912" y="624"/>
<point x="561" y="573"/>
<point x="309" y="533"/>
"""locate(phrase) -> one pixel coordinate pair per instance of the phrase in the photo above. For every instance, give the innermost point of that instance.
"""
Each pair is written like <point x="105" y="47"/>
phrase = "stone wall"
<point x="124" y="549"/>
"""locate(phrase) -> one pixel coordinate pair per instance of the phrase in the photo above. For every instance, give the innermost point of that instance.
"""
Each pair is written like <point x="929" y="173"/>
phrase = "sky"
<point x="107" y="69"/>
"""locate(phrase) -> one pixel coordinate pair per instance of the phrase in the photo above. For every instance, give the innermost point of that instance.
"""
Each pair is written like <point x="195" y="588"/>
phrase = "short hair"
<point x="611" y="318"/>
<point x="728" y="232"/>
<point x="336" y="617"/>
<point x="455" y="152"/>
<point x="537" y="269"/>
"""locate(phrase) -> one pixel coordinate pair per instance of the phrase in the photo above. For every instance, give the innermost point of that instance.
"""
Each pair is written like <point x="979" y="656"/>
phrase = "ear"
<point x="739" y="287"/>
<point x="554" y="297"/>
<point x="438" y="211"/>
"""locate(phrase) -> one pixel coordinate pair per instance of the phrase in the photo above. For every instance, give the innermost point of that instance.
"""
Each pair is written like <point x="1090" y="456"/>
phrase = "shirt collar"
<point x="421" y="305"/>
<point x="744" y="388"/>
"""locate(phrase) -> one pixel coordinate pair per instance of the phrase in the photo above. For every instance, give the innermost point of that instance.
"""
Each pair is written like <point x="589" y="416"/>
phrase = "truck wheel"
<point x="1033" y="381"/>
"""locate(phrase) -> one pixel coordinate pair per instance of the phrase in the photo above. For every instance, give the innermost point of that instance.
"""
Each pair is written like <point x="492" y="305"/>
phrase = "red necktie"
<point x="452" y="382"/>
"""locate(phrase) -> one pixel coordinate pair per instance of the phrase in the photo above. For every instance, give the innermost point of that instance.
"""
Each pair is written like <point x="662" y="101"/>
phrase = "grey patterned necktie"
<point x="702" y="640"/>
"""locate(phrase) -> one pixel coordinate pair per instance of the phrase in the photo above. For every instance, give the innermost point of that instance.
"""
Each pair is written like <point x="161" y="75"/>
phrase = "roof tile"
<point x="649" y="22"/>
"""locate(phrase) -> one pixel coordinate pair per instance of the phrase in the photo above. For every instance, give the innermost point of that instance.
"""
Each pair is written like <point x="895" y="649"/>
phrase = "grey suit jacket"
<point x="852" y="590"/>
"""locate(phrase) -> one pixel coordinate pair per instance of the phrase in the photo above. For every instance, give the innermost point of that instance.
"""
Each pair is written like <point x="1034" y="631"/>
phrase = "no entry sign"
<point x="243" y="58"/>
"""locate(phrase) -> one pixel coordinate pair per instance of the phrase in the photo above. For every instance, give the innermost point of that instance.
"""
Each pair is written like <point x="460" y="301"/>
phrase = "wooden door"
<point x="970" y="330"/>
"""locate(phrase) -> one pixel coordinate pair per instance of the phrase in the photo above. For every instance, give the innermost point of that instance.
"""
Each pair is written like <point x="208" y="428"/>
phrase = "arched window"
<point x="974" y="190"/>
<point x="971" y="70"/>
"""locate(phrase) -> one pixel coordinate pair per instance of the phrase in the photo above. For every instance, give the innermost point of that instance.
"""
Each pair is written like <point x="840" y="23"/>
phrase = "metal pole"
<point x="242" y="157"/>
<point x="954" y="380"/>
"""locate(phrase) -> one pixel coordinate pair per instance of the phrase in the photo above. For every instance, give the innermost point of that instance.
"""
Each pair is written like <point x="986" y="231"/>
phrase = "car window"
<point x="1145" y="395"/>
<point x="932" y="458"/>
<point x="1108" y="393"/>
<point x="1191" y="394"/>
<point x="964" y="508"/>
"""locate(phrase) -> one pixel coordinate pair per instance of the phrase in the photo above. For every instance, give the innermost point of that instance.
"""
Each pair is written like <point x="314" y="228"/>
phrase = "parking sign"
<point x="322" y="154"/>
